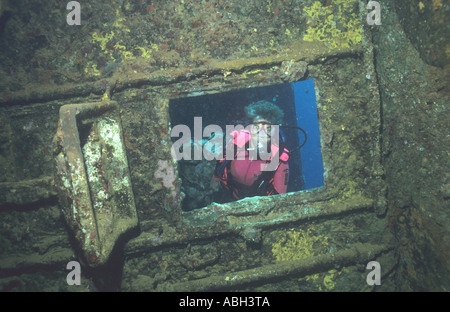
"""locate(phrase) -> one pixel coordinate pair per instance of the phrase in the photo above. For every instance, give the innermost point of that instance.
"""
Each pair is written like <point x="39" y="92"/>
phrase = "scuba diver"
<point x="243" y="175"/>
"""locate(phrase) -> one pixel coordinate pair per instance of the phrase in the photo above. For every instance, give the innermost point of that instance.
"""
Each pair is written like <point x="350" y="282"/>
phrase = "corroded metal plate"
<point x="92" y="178"/>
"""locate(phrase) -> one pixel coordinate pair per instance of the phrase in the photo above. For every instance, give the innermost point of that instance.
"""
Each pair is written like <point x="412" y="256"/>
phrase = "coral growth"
<point x="166" y="173"/>
<point x="337" y="25"/>
<point x="297" y="245"/>
<point x="109" y="44"/>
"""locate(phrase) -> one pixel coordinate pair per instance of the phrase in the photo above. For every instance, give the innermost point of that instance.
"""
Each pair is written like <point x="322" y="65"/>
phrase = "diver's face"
<point x="261" y="131"/>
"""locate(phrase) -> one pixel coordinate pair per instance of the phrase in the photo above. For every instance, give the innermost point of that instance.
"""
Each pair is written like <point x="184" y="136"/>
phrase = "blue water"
<point x="306" y="115"/>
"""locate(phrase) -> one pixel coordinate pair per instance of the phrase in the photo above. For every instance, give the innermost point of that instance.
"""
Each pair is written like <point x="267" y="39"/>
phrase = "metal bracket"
<point x="92" y="178"/>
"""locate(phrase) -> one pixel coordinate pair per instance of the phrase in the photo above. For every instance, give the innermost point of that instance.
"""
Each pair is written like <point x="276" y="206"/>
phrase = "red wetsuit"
<point x="240" y="175"/>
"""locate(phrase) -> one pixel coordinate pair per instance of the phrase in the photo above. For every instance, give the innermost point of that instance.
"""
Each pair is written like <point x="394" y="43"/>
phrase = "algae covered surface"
<point x="382" y="106"/>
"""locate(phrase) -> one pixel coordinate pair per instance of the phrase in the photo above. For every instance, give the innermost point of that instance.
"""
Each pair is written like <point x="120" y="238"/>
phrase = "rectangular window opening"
<point x="200" y="134"/>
